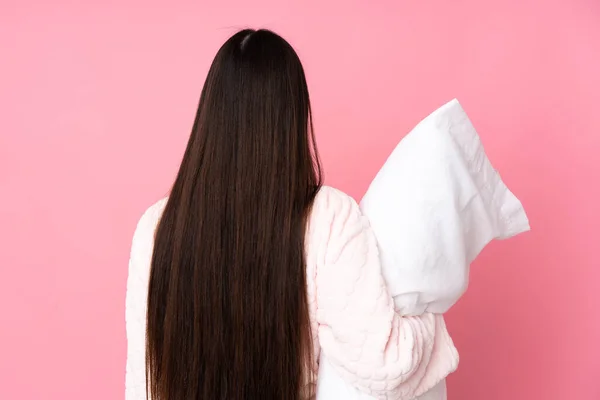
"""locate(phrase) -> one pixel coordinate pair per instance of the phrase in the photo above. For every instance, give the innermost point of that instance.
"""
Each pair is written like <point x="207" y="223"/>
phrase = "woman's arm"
<point x="135" y="302"/>
<point x="378" y="351"/>
<point x="135" y="320"/>
<point x="135" y="375"/>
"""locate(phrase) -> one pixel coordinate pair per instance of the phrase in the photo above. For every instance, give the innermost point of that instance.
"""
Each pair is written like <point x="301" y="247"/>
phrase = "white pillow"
<point x="434" y="205"/>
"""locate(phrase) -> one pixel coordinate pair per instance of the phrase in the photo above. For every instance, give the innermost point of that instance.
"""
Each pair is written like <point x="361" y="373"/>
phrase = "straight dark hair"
<point x="227" y="314"/>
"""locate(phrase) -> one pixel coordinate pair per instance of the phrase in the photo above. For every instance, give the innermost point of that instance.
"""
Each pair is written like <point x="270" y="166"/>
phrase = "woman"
<point x="250" y="268"/>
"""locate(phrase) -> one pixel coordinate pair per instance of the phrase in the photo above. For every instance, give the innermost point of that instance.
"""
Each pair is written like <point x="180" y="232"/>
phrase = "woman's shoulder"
<point x="151" y="216"/>
<point x="143" y="238"/>
<point x="335" y="211"/>
<point x="153" y="213"/>
<point x="331" y="206"/>
<point x="333" y="201"/>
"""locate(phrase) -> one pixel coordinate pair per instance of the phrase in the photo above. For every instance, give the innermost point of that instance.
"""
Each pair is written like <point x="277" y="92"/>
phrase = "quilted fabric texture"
<point x="352" y="313"/>
<point x="435" y="204"/>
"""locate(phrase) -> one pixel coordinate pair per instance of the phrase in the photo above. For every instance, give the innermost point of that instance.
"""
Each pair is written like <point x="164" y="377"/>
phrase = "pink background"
<point x="97" y="101"/>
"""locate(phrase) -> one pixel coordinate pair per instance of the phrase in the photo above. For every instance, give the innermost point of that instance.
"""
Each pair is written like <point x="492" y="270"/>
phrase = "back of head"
<point x="227" y="309"/>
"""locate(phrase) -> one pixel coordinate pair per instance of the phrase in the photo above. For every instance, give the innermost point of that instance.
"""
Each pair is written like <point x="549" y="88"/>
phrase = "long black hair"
<point x="227" y="308"/>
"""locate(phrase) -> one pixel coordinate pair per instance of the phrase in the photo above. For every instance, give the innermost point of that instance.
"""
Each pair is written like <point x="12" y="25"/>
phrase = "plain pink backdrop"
<point x="96" y="104"/>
